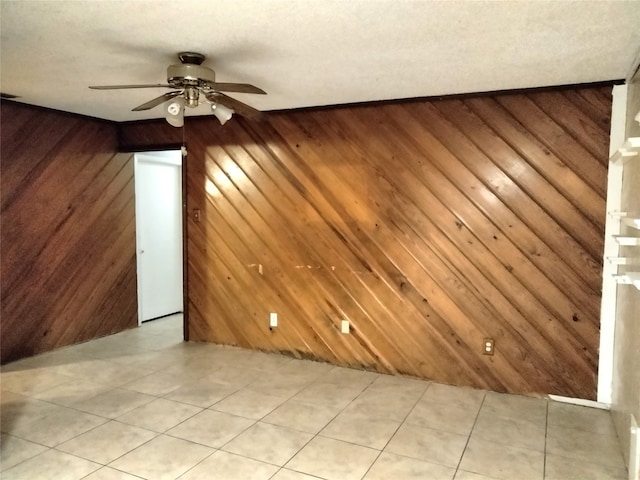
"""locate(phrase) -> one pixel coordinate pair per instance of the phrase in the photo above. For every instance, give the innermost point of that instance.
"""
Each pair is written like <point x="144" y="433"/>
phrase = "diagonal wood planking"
<point x="68" y="231"/>
<point x="429" y="225"/>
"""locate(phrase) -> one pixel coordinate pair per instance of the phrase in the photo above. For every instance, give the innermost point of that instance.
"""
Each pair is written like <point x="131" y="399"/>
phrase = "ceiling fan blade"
<point x="7" y="96"/>
<point x="236" y="87"/>
<point x="119" y="87"/>
<point x="239" y="107"/>
<point x="156" y="101"/>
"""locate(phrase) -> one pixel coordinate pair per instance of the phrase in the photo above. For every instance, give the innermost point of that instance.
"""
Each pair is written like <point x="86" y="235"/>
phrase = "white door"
<point x="158" y="190"/>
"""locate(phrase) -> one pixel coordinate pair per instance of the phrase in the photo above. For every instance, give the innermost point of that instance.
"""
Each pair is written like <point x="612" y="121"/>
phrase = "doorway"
<point x="159" y="252"/>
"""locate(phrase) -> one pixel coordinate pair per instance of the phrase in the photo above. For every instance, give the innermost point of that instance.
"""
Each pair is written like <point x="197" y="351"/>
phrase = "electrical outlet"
<point x="345" y="326"/>
<point x="273" y="320"/>
<point x="488" y="345"/>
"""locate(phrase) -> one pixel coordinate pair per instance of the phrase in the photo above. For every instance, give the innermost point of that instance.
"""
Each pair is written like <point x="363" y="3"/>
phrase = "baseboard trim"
<point x="581" y="402"/>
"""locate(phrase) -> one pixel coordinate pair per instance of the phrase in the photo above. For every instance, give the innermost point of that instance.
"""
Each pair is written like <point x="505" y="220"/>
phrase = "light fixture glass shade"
<point x="174" y="112"/>
<point x="221" y="112"/>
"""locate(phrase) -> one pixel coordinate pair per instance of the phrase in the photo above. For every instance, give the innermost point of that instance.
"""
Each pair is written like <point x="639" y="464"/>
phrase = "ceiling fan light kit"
<point x="189" y="80"/>
<point x="174" y="112"/>
<point x="221" y="112"/>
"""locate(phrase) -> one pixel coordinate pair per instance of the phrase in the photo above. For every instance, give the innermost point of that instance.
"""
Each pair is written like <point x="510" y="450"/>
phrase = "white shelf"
<point x="624" y="260"/>
<point x="627" y="218"/>
<point x="631" y="221"/>
<point x="630" y="150"/>
<point x="629" y="278"/>
<point x="627" y="241"/>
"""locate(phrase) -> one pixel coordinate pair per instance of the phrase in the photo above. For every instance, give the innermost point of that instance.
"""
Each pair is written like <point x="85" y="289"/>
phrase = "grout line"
<point x="466" y="445"/>
<point x="198" y="463"/>
<point x="546" y="427"/>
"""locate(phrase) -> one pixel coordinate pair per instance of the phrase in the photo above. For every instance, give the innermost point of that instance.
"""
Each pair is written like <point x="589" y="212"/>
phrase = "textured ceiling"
<point x="308" y="52"/>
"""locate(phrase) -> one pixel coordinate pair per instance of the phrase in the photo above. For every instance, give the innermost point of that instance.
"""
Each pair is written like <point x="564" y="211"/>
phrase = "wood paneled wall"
<point x="68" y="231"/>
<point x="428" y="225"/>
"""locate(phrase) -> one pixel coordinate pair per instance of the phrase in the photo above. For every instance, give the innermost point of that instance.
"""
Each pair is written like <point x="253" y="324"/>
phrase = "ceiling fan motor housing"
<point x="189" y="74"/>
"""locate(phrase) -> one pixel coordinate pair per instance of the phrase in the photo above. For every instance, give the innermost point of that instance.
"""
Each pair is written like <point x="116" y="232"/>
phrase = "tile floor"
<point x="143" y="404"/>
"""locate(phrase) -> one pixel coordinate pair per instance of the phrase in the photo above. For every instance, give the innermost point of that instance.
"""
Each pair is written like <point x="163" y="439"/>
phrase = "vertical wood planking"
<point x="429" y="225"/>
<point x="68" y="231"/>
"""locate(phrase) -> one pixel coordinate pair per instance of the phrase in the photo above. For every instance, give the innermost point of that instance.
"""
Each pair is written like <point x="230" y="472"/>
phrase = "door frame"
<point x="185" y="275"/>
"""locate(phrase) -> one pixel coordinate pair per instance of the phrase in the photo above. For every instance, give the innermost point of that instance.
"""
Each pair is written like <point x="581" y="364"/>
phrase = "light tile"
<point x="159" y="415"/>
<point x="113" y="403"/>
<point x="72" y="392"/>
<point x="159" y="342"/>
<point x="97" y="349"/>
<point x="7" y="399"/>
<point x="154" y="361"/>
<point x="216" y="353"/>
<point x="285" y="474"/>
<point x="585" y="446"/>
<point x="581" y="418"/>
<point x="302" y="416"/>
<point x="111" y="373"/>
<point x="58" y="427"/>
<point x="448" y="417"/>
<point x="14" y="450"/>
<point x="18" y="365"/>
<point x="239" y="358"/>
<point x="158" y="384"/>
<point x="510" y="431"/>
<point x="440" y="393"/>
<point x="326" y="458"/>
<point x="269" y="361"/>
<point x="193" y="370"/>
<point x="211" y="428"/>
<point x="48" y="360"/>
<point x="51" y="464"/>
<point x="279" y="384"/>
<point x="230" y="375"/>
<point x="31" y="381"/>
<point x="396" y="384"/>
<point x="516" y="406"/>
<point x="349" y="376"/>
<point x="391" y="466"/>
<point x="249" y="404"/>
<point x="337" y="395"/>
<point x="502" y="462"/>
<point x="226" y="466"/>
<point x="268" y="443"/>
<point x="383" y="404"/>
<point x="163" y="458"/>
<point x="361" y="429"/>
<point x="462" y="475"/>
<point x="202" y="393"/>
<point x="426" y="444"/>
<point x="18" y="410"/>
<point x="309" y="368"/>
<point x="107" y="442"/>
<point x="563" y="468"/>
<point x="107" y="473"/>
<point x="85" y="369"/>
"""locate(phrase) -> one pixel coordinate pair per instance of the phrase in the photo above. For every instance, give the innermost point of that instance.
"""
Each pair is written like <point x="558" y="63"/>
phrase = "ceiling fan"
<point x="190" y="81"/>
